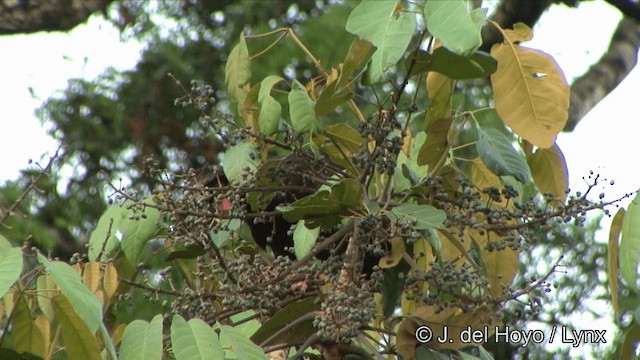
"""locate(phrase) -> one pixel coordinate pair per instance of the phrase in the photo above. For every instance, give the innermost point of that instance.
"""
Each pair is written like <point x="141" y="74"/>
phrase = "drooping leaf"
<point x="630" y="244"/>
<point x="304" y="239"/>
<point x="613" y="253"/>
<point x="110" y="281"/>
<point x="440" y="89"/>
<point x="549" y="171"/>
<point x="269" y="117"/>
<point x="142" y="340"/>
<point x="347" y="193"/>
<point x="10" y="268"/>
<point x="238" y="71"/>
<point x="501" y="158"/>
<point x="80" y="342"/>
<point x="46" y="289"/>
<point x="347" y="138"/>
<point x="241" y="346"/>
<point x="330" y="99"/>
<point x="266" y="85"/>
<point x="139" y="226"/>
<point x="424" y="216"/>
<point x="388" y="27"/>
<point x="191" y="251"/>
<point x="529" y="89"/>
<point x="240" y="157"/>
<point x="316" y="205"/>
<point x="359" y="54"/>
<point x="455" y="24"/>
<point x="91" y="275"/>
<point x="301" y="110"/>
<point x="84" y="302"/>
<point x="194" y="340"/>
<point x="285" y="316"/>
<point x="26" y="335"/>
<point x="457" y="67"/>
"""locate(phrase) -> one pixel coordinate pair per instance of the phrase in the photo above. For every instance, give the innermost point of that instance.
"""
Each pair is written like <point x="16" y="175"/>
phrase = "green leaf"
<point x="347" y="138"/>
<point x="240" y="344"/>
<point x="269" y="119"/>
<point x="457" y="67"/>
<point x="289" y="313"/>
<point x="455" y="25"/>
<point x="26" y="336"/>
<point x="139" y="225"/>
<point x="10" y="268"/>
<point x="194" y="340"/>
<point x="304" y="239"/>
<point x="84" y="302"/>
<point x="348" y="193"/>
<point x="301" y="109"/>
<point x="316" y="205"/>
<point x="388" y="27"/>
<point x="238" y="71"/>
<point x="46" y="291"/>
<point x="266" y="85"/>
<point x="613" y="254"/>
<point x="501" y="158"/>
<point x="191" y="251"/>
<point x="425" y="216"/>
<point x="142" y="340"/>
<point x="103" y="240"/>
<point x="4" y="244"/>
<point x="630" y="244"/>
<point x="79" y="341"/>
<point x="237" y="159"/>
<point x="330" y="99"/>
<point x="359" y="54"/>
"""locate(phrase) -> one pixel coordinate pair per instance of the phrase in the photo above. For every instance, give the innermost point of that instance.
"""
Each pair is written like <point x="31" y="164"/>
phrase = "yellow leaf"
<point x="7" y="301"/>
<point x="116" y="335"/>
<point x="549" y="171"/>
<point x="439" y="88"/>
<point x="26" y="335"/>
<point x="531" y="94"/>
<point x="91" y="275"/>
<point x="44" y="325"/>
<point x="110" y="280"/>
<point x="436" y="146"/>
<point x="397" y="251"/>
<point x="79" y="342"/>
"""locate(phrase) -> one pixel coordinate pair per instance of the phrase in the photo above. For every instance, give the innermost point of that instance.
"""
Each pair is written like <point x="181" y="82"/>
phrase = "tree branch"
<point x="607" y="73"/>
<point x="30" y="16"/>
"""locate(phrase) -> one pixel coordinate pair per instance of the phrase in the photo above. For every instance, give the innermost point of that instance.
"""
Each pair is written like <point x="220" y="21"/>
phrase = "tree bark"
<point x="605" y="75"/>
<point x="29" y="16"/>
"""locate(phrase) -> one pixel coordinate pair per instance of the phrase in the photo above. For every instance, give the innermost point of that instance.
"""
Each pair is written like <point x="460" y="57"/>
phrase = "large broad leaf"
<point x="288" y="314"/>
<point x="388" y="27"/>
<point x="317" y="205"/>
<point x="25" y="334"/>
<point x="10" y="268"/>
<point x="138" y="227"/>
<point x="439" y="88"/>
<point x="455" y="24"/>
<point x="549" y="171"/>
<point x="359" y="54"/>
<point x="80" y="343"/>
<point x="104" y="241"/>
<point x="496" y="152"/>
<point x="477" y="65"/>
<point x="270" y="108"/>
<point x="301" y="109"/>
<point x="424" y="216"/>
<point x="84" y="302"/>
<point x="530" y="91"/>
<point x="237" y="71"/>
<point x="142" y="340"/>
<point x="304" y="239"/>
<point x="194" y="340"/>
<point x="240" y="344"/>
<point x="240" y="157"/>
<point x="330" y="99"/>
<point x="630" y="244"/>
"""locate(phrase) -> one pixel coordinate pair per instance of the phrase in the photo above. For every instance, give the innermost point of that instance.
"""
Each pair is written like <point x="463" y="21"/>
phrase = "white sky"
<point x="606" y="141"/>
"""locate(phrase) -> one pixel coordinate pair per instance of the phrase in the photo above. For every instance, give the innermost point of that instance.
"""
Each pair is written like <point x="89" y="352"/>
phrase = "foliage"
<point x="417" y="209"/>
